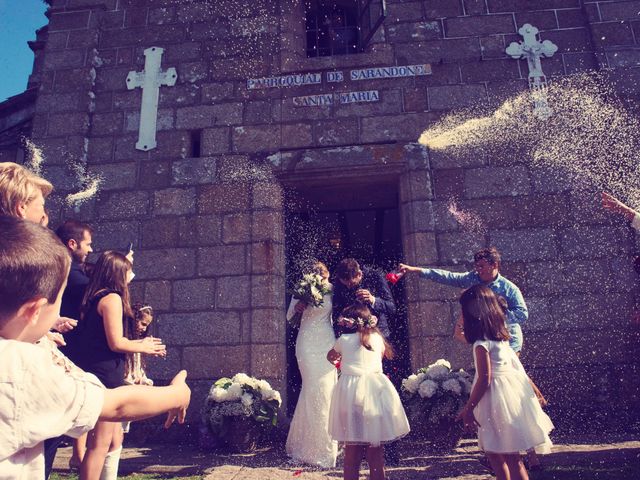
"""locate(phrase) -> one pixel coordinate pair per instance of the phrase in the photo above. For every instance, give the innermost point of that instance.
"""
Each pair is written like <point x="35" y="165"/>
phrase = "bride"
<point x="308" y="441"/>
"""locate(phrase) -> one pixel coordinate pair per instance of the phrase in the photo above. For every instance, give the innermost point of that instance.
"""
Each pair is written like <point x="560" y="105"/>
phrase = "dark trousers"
<point x="50" y="448"/>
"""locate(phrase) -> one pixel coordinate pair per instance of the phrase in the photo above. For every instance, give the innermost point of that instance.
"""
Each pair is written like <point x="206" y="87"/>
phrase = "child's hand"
<point x="458" y="331"/>
<point x="468" y="419"/>
<point x="153" y="346"/>
<point x="64" y="324"/>
<point x="181" y="411"/>
<point x="333" y="356"/>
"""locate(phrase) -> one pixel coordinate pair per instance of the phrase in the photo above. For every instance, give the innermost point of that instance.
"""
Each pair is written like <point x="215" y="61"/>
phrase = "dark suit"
<point x="384" y="307"/>
<point x="72" y="297"/>
<point x="71" y="303"/>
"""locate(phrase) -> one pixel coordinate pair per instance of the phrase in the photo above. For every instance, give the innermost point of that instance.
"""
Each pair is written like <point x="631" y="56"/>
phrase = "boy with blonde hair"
<point x="39" y="399"/>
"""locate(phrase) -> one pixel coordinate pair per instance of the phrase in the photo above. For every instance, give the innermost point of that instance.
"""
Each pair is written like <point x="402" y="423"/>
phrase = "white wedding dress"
<point x="308" y="440"/>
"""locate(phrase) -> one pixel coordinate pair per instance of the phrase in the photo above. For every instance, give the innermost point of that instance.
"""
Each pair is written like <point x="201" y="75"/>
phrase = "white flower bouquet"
<point x="434" y="395"/>
<point x="311" y="290"/>
<point x="240" y="399"/>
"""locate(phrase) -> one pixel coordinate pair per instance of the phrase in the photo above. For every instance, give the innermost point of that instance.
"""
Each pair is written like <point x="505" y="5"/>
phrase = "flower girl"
<point x="502" y="405"/>
<point x="365" y="408"/>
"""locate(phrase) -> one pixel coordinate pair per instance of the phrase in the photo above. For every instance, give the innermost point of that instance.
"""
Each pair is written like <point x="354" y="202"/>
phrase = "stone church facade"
<point x="211" y="244"/>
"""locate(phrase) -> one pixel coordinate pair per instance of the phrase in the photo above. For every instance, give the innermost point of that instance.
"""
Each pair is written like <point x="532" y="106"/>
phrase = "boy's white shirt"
<point x="39" y="400"/>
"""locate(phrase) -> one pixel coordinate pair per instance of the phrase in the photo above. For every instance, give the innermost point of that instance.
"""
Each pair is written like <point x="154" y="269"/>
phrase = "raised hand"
<point x="153" y="346"/>
<point x="611" y="203"/>
<point x="65" y="324"/>
<point x="363" y="295"/>
<point x="404" y="268"/>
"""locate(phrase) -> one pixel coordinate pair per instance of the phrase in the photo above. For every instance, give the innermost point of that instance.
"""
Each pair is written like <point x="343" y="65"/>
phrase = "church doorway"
<point x="331" y="223"/>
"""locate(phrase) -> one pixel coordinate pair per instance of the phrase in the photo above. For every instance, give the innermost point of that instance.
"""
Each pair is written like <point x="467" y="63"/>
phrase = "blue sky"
<point x="19" y="20"/>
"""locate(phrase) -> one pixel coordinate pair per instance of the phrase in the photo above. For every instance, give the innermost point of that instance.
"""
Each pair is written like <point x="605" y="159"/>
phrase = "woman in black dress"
<point x="102" y="352"/>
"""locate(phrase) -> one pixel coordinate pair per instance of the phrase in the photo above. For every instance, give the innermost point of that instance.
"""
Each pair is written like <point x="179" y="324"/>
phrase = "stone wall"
<point x="209" y="243"/>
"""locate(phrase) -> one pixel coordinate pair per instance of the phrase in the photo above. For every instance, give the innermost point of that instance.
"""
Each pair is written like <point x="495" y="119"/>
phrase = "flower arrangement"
<point x="434" y="396"/>
<point x="240" y="399"/>
<point x="311" y="290"/>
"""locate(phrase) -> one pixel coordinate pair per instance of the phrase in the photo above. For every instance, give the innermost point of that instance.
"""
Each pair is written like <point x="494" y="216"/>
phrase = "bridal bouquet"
<point x="310" y="290"/>
<point x="240" y="400"/>
<point x="436" y="393"/>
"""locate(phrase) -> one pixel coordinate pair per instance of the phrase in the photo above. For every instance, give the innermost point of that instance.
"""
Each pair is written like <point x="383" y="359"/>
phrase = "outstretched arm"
<point x="137" y="402"/>
<point x="110" y="309"/>
<point x="453" y="279"/>
<point x="611" y="203"/>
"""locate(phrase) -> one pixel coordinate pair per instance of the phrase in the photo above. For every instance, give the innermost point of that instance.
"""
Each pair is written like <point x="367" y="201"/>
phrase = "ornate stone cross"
<point x="533" y="50"/>
<point x="150" y="80"/>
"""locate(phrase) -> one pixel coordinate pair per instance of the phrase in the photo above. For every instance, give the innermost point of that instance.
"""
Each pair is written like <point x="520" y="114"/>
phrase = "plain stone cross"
<point x="533" y="50"/>
<point x="150" y="80"/>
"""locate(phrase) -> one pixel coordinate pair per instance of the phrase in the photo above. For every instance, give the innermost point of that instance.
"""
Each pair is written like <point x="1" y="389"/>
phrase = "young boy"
<point x="38" y="398"/>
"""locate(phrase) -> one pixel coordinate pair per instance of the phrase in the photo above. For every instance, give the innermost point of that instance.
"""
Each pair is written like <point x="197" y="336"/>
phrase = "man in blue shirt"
<point x="487" y="272"/>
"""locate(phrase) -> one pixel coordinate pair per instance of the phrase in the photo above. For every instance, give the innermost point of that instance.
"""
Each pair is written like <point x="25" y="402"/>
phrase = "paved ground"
<point x="615" y="457"/>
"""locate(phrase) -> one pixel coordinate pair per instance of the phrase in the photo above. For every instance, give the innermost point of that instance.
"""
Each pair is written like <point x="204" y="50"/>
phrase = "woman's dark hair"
<point x="358" y="310"/>
<point x="109" y="273"/>
<point x="483" y="315"/>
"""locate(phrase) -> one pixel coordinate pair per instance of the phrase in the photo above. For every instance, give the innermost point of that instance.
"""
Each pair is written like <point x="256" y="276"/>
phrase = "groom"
<point x="365" y="285"/>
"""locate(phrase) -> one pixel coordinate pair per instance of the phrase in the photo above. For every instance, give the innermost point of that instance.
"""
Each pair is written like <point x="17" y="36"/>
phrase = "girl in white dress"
<point x="502" y="404"/>
<point x="308" y="440"/>
<point x="366" y="410"/>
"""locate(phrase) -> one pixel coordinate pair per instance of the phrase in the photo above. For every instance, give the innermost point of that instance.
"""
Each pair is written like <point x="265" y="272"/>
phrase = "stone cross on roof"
<point x="150" y="80"/>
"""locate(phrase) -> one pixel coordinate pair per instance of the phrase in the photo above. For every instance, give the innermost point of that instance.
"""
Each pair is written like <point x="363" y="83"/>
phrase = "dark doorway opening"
<point x="332" y="223"/>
